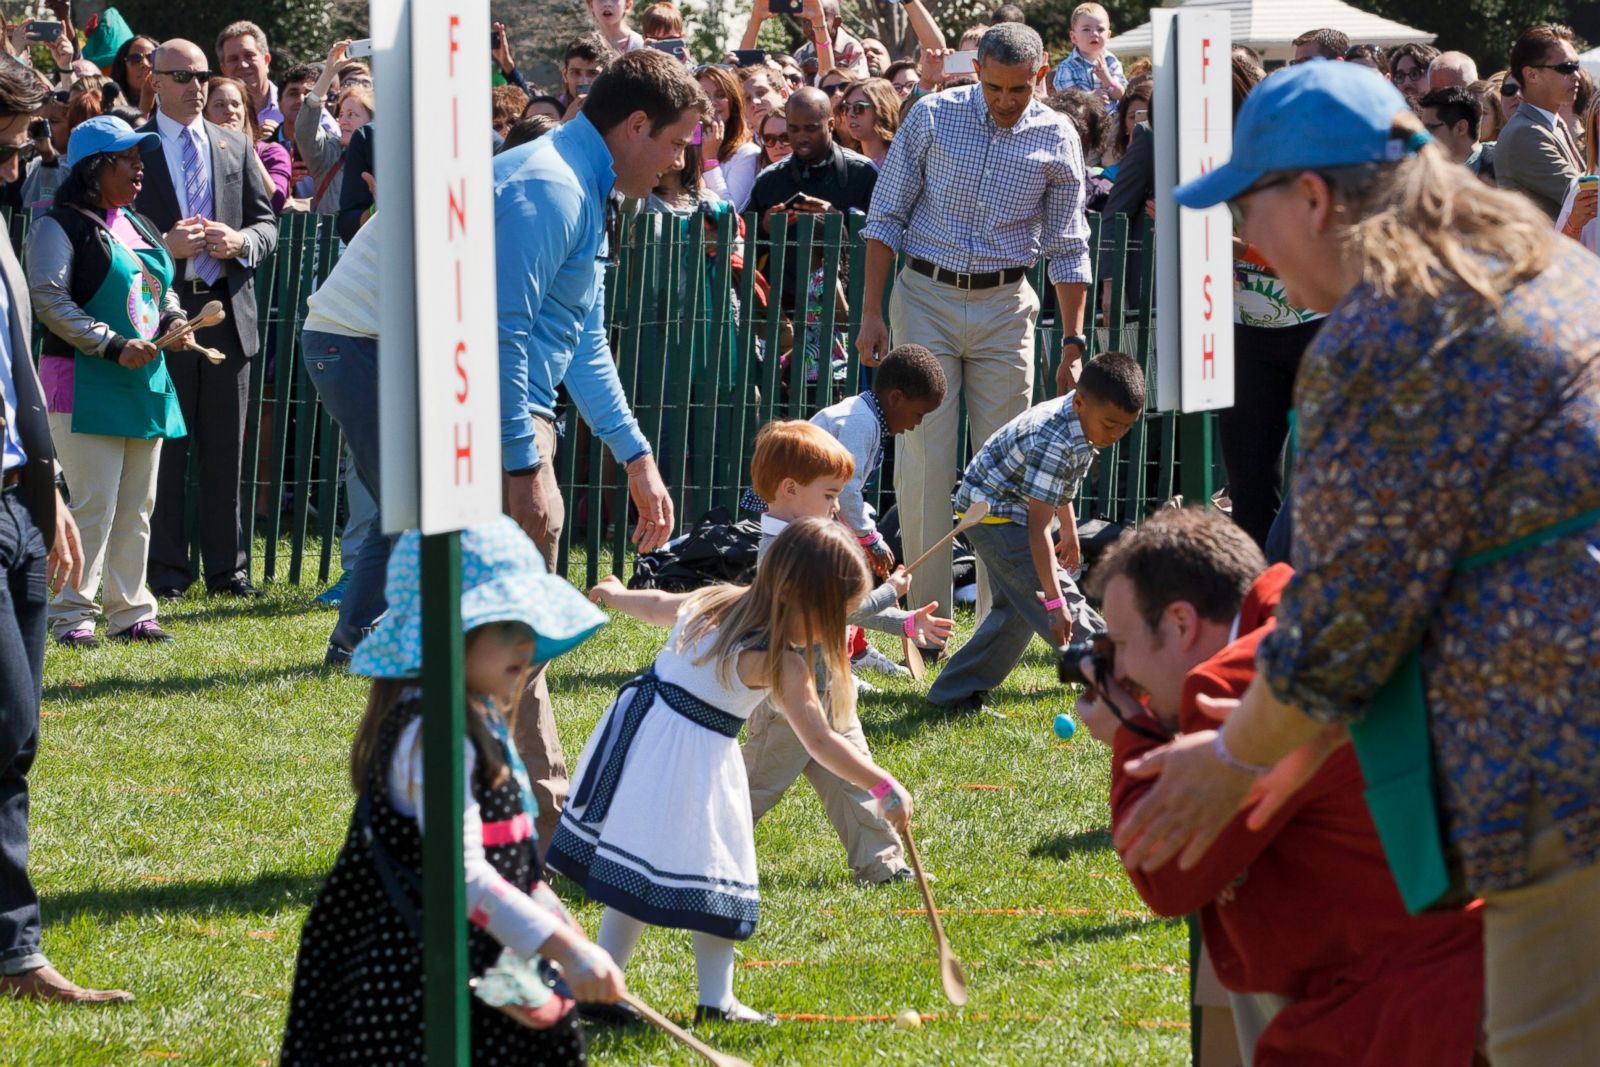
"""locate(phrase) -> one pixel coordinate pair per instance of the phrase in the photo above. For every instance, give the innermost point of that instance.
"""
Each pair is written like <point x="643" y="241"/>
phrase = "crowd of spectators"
<point x="155" y="172"/>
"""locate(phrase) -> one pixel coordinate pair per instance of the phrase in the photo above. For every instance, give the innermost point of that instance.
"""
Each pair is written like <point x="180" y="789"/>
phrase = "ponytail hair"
<point x="1424" y="224"/>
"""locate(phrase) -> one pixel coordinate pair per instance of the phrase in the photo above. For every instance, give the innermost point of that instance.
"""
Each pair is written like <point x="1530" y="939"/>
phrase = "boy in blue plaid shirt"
<point x="1091" y="66"/>
<point x="1029" y="471"/>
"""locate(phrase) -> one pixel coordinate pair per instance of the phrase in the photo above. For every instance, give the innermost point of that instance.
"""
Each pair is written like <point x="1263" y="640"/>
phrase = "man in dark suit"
<point x="1536" y="154"/>
<point x="203" y="189"/>
<point x="39" y="549"/>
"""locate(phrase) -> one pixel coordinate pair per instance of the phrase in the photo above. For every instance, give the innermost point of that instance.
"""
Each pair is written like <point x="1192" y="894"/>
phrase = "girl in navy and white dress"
<point x="658" y="825"/>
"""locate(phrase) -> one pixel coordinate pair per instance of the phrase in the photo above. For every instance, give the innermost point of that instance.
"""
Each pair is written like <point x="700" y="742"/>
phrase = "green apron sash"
<point x="108" y="398"/>
<point x="1395" y="750"/>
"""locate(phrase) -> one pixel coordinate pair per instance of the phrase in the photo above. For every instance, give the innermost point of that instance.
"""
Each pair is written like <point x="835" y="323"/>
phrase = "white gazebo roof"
<point x="1270" y="26"/>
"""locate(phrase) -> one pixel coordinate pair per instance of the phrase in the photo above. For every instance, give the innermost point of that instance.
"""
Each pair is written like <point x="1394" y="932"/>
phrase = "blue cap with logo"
<point x="105" y="133"/>
<point x="1314" y="115"/>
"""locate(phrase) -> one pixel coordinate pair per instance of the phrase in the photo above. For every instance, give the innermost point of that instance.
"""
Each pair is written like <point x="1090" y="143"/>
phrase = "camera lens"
<point x="1069" y="658"/>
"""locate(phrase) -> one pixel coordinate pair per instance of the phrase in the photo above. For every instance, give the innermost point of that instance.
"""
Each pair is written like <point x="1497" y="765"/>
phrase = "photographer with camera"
<point x="1295" y="898"/>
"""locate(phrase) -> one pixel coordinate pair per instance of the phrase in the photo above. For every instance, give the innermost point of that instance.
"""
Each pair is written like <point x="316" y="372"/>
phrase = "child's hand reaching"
<point x="1068" y="551"/>
<point x="895" y="804"/>
<point x="591" y="973"/>
<point x="929" y="630"/>
<point x="881" y="556"/>
<point x="604" y="588"/>
<point x="901" y="580"/>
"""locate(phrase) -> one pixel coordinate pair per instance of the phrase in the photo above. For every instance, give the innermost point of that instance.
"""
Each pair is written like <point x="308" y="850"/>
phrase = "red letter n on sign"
<point x="458" y="209"/>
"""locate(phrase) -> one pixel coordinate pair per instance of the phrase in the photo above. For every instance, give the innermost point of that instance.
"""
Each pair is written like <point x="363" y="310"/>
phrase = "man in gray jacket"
<point x="1536" y="153"/>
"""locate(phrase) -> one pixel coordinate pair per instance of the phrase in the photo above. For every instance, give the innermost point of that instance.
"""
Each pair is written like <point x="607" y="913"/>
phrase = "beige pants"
<point x="774" y="758"/>
<point x="984" y="343"/>
<point x="535" y="728"/>
<point x="1541" y="945"/>
<point x="112" y="482"/>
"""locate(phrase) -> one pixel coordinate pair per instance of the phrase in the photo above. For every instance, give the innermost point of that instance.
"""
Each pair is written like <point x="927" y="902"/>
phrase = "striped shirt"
<point x="971" y="196"/>
<point x="347" y="301"/>
<point x="1039" y="455"/>
<point x="1077" y="72"/>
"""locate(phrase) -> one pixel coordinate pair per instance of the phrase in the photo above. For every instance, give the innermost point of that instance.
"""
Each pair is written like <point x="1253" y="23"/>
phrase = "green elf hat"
<point x="107" y="32"/>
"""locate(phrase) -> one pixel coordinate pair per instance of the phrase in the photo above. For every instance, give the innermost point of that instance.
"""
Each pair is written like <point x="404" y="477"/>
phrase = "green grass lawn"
<point x="188" y="800"/>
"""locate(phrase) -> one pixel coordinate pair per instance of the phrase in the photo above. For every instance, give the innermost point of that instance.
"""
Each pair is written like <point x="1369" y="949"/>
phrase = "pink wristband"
<point x="883" y="788"/>
<point x="1058" y="602"/>
<point x="710" y="164"/>
<point x="911" y="626"/>
<point x="869" y="540"/>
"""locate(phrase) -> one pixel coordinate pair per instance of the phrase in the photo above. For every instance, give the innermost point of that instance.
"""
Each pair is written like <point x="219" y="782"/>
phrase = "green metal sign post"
<point x="444" y="914"/>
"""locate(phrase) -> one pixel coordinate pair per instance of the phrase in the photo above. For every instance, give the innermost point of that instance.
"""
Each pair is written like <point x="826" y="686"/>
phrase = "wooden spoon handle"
<point x="656" y="1019"/>
<point x="975" y="514"/>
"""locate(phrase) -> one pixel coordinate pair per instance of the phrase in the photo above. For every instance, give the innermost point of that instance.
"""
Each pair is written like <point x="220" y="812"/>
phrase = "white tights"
<point x="713" y="957"/>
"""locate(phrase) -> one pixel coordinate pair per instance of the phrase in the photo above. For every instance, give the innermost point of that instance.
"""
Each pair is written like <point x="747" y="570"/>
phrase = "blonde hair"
<point x="1089" y="9"/>
<point x="794" y="448"/>
<point x="1425" y="222"/>
<point x="361" y="95"/>
<point x="810" y="579"/>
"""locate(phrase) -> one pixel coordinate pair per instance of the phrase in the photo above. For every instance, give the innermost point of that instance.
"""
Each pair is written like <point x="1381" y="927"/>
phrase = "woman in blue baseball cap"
<point x="1447" y="543"/>
<point x="100" y="280"/>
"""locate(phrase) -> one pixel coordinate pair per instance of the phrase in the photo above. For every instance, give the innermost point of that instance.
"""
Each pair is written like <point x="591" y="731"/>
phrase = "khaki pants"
<point x="1541" y="945"/>
<point x="112" y="481"/>
<point x="984" y="343"/>
<point x="535" y="728"/>
<point x="774" y="758"/>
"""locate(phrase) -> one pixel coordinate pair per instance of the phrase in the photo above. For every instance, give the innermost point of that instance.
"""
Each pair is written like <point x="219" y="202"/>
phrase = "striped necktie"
<point x="198" y="189"/>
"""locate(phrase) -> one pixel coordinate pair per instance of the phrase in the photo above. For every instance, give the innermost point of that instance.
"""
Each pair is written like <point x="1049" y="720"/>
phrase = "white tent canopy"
<point x="1270" y="26"/>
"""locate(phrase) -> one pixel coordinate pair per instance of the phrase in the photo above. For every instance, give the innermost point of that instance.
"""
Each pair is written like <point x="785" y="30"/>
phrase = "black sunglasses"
<point x="1569" y="68"/>
<point x="1510" y="89"/>
<point x="23" y="152"/>
<point x="834" y="89"/>
<point x="184" y="77"/>
<point x="773" y="140"/>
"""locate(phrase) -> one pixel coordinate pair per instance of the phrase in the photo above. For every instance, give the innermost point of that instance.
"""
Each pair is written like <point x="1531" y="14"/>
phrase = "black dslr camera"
<point x="1069" y="659"/>
<point x="1102" y="653"/>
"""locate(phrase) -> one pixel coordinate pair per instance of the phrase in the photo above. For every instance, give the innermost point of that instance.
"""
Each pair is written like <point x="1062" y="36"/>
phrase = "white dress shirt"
<point x="172" y="134"/>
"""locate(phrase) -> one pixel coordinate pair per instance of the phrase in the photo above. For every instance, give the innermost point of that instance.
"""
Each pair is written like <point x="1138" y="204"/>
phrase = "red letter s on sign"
<point x="461" y="372"/>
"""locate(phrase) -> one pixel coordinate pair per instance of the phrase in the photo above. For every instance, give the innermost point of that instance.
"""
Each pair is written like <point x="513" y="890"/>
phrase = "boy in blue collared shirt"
<point x="1091" y="66"/>
<point x="1028" y="472"/>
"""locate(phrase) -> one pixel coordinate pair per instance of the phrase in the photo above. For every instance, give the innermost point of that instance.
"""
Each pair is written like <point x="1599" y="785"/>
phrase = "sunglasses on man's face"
<point x="773" y="140"/>
<point x="184" y="77"/>
<point x="1569" y="68"/>
<point x="22" y="152"/>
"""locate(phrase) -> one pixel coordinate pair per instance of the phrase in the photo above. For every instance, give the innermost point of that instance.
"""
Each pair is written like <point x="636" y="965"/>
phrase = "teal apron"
<point x="108" y="398"/>
<point x="1395" y="750"/>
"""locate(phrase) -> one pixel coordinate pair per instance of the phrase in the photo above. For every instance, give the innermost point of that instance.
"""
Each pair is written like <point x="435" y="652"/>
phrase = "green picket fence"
<point x="699" y="352"/>
<point x="700" y="358"/>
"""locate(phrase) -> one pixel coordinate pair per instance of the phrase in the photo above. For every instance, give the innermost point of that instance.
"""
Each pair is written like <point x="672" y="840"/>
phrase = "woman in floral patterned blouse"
<point x="1446" y="503"/>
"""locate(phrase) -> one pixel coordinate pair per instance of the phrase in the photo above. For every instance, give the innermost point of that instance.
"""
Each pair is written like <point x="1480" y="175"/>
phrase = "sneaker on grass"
<point x="873" y="660"/>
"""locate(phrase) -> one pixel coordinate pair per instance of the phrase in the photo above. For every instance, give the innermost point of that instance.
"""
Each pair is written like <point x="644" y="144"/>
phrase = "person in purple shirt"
<point x="553" y="200"/>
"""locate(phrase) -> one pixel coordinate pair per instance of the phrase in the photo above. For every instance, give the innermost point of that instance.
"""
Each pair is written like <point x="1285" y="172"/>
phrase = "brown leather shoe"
<point x="47" y="983"/>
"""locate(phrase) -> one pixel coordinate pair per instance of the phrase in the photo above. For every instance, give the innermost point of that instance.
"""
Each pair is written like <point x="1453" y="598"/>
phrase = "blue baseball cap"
<point x="1316" y="114"/>
<point x="105" y="133"/>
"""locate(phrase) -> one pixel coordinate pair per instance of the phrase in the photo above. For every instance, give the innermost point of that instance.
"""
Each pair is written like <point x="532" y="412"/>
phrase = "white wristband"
<point x="1219" y="748"/>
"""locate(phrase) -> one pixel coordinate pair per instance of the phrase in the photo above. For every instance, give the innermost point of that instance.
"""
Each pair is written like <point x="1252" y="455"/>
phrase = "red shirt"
<point x="1306" y="907"/>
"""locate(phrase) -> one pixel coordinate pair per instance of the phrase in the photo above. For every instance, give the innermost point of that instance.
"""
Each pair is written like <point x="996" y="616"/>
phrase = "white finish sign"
<point x="439" y="380"/>
<point x="1193" y="127"/>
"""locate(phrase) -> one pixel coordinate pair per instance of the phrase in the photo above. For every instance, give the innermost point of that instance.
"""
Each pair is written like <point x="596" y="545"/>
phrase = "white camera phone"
<point x="964" y="62"/>
<point x="359" y="49"/>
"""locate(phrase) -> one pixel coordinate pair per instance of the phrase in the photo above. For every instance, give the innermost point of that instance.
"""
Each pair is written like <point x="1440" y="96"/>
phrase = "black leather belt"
<point x="986" y="280"/>
<point x="201" y="287"/>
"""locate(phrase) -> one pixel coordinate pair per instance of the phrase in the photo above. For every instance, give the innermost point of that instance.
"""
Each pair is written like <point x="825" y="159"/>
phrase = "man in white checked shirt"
<point x="980" y="182"/>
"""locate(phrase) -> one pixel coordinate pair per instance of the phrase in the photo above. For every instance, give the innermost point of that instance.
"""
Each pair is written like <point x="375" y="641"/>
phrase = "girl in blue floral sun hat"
<point x="358" y="979"/>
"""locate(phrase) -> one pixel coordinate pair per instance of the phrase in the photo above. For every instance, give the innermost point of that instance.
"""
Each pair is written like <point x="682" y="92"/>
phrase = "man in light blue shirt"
<point x="552" y="204"/>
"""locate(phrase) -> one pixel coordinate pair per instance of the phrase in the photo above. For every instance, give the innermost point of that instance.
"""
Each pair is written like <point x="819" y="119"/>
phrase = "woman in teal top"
<point x="1443" y="613"/>
<point x="101" y="285"/>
